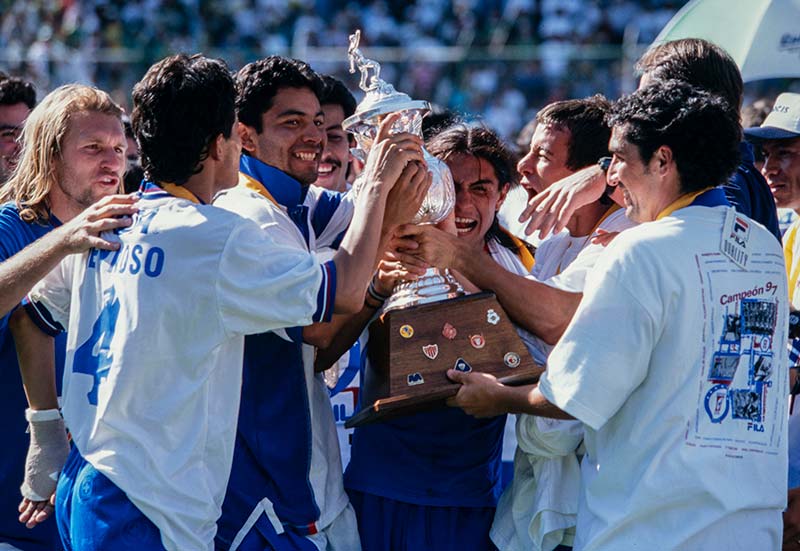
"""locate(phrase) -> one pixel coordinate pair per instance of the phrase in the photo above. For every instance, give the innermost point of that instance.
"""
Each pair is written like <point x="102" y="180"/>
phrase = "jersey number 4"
<point x="94" y="356"/>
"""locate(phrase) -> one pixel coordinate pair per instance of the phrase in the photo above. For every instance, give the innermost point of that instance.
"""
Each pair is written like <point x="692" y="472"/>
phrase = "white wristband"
<point x="36" y="415"/>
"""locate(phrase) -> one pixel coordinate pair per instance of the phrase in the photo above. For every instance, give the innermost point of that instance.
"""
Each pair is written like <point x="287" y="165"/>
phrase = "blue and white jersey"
<point x="15" y="235"/>
<point x="286" y="467"/>
<point x="155" y="346"/>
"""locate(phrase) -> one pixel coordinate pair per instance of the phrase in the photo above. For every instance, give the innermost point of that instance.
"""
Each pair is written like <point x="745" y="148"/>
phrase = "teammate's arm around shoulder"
<point x="18" y="273"/>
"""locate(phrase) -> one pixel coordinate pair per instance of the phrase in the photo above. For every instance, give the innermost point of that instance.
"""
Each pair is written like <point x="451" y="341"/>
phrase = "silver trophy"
<point x="381" y="100"/>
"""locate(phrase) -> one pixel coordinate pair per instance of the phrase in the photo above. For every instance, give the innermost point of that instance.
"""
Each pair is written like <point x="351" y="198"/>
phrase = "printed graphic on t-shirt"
<point x="739" y="398"/>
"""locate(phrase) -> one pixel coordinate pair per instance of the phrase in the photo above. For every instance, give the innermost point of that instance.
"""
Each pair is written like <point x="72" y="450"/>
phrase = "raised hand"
<point x="551" y="209"/>
<point x="389" y="156"/>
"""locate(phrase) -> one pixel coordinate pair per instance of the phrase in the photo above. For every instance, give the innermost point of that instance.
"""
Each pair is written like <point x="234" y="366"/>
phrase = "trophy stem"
<point x="436" y="285"/>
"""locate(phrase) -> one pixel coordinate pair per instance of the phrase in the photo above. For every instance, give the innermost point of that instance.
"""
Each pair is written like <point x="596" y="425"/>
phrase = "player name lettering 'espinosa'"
<point x="133" y="259"/>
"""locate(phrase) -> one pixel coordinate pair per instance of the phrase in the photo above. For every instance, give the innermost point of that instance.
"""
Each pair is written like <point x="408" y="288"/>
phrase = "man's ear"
<point x="248" y="136"/>
<point x="215" y="148"/>
<point x="664" y="159"/>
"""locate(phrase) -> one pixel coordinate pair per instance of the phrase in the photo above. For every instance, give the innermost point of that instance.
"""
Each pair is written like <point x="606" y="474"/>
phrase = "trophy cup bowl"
<point x="382" y="100"/>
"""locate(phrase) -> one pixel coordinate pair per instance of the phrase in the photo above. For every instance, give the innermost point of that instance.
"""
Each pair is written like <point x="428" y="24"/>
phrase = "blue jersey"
<point x="286" y="461"/>
<point x="15" y="235"/>
<point x="748" y="192"/>
<point x="442" y="458"/>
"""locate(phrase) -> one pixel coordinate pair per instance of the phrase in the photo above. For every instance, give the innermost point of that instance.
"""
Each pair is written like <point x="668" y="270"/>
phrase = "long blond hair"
<point x="42" y="137"/>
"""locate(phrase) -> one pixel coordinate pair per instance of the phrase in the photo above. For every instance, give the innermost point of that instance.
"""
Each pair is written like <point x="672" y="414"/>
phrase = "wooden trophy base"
<point x="410" y="351"/>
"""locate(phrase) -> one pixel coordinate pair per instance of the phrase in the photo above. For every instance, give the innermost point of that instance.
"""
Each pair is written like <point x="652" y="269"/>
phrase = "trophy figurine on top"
<point x="428" y="325"/>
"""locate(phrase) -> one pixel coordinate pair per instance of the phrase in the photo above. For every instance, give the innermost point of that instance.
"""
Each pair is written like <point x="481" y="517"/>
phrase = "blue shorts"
<point x="385" y="524"/>
<point x="94" y="514"/>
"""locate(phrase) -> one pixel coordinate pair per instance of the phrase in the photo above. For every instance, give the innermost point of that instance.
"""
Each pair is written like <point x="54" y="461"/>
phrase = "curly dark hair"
<point x="14" y="90"/>
<point x="257" y="83"/>
<point x="179" y="107"/>
<point x="585" y="120"/>
<point x="483" y="143"/>
<point x="335" y="92"/>
<point x="700" y="128"/>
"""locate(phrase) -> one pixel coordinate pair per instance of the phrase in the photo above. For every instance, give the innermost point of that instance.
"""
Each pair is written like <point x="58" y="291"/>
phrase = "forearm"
<point x="528" y="399"/>
<point x="535" y="306"/>
<point x="36" y="356"/>
<point x="20" y="272"/>
<point x="358" y="254"/>
<point x="349" y="329"/>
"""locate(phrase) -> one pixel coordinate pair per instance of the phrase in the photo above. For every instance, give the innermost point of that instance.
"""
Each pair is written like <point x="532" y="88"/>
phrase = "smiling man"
<point x="666" y="391"/>
<point x="286" y="490"/>
<point x="337" y="104"/>
<point x="569" y="136"/>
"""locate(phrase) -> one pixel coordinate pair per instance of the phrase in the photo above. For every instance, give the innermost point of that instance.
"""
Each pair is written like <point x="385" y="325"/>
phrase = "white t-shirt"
<point x="154" y="351"/>
<point x="675" y="362"/>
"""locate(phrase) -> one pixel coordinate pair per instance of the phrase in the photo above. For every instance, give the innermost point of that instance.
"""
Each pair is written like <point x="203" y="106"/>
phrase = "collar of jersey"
<point x="708" y="197"/>
<point x="151" y="190"/>
<point x="522" y="251"/>
<point x="280" y="187"/>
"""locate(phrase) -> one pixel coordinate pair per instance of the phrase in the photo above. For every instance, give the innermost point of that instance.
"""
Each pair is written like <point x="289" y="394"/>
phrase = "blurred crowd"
<point x="517" y="54"/>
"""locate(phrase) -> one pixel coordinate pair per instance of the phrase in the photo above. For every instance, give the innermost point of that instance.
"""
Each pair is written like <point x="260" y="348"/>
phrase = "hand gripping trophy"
<point x="382" y="100"/>
<point x="428" y="325"/>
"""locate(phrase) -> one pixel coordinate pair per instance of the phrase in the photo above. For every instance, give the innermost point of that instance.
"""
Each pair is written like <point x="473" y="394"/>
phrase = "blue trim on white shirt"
<point x="326" y="296"/>
<point x="41" y="317"/>
<point x="284" y="189"/>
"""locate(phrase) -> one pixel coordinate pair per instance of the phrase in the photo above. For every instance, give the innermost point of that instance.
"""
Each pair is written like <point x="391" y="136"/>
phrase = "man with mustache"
<point x="337" y="104"/>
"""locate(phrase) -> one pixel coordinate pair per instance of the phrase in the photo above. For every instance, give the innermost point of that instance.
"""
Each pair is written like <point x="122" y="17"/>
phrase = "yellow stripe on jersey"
<point x="522" y="251"/>
<point x="251" y="183"/>
<point x="179" y="191"/>
<point x="792" y="264"/>
<point x="680" y="202"/>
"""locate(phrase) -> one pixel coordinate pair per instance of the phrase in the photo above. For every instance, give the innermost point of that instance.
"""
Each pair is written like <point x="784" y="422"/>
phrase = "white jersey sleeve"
<point x="573" y="276"/>
<point x="257" y="272"/>
<point x="51" y="297"/>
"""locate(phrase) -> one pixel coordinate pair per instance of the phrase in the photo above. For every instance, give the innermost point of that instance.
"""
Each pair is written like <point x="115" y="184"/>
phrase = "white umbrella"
<point x="763" y="36"/>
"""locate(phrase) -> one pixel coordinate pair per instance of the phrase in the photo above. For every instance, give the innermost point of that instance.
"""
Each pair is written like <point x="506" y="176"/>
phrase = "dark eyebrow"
<point x="292" y="112"/>
<point x="482" y="182"/>
<point x="9" y="127"/>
